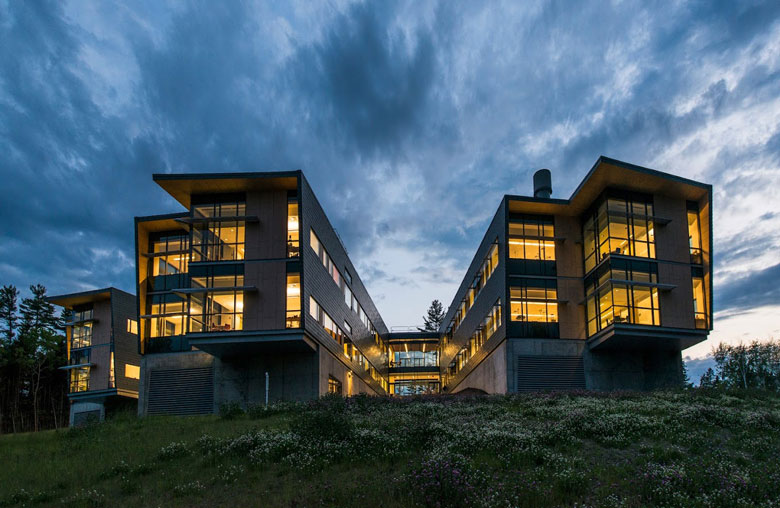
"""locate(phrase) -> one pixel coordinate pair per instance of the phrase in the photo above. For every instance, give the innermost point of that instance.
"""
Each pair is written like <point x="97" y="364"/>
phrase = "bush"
<point x="323" y="424"/>
<point x="230" y="410"/>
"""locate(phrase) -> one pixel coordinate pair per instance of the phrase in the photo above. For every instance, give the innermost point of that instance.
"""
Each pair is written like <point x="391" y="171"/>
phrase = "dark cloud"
<point x="758" y="288"/>
<point x="410" y="120"/>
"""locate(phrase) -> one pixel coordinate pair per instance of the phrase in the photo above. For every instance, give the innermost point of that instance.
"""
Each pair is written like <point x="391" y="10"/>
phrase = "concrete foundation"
<point x="633" y="370"/>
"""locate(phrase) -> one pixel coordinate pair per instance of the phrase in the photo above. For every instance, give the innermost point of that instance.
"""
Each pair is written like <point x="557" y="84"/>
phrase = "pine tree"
<point x="434" y="318"/>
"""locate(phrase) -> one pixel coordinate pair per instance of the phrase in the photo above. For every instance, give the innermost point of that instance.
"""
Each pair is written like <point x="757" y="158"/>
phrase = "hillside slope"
<point x="664" y="449"/>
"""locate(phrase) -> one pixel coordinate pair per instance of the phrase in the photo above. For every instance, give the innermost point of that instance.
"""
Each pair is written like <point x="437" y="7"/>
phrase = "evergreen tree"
<point x="8" y="309"/>
<point x="434" y="317"/>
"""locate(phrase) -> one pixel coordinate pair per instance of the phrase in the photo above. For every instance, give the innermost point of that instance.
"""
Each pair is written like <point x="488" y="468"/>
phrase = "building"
<point x="249" y="295"/>
<point x="102" y="349"/>
<point x="599" y="291"/>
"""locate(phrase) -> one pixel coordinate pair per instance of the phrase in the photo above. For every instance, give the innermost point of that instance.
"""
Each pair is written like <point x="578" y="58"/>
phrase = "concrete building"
<point x="248" y="293"/>
<point x="102" y="349"/>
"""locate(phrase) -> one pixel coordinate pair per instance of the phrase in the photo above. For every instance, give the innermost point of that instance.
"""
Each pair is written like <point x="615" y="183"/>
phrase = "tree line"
<point x="745" y="366"/>
<point x="33" y="390"/>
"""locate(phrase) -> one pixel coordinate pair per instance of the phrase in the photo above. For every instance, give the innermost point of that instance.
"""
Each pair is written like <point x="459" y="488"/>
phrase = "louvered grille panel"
<point x="550" y="373"/>
<point x="181" y="391"/>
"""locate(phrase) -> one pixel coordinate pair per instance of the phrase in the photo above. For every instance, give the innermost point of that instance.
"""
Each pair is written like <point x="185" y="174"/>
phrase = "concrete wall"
<point x="82" y="412"/>
<point x="291" y="376"/>
<point x="490" y="375"/>
<point x="632" y="370"/>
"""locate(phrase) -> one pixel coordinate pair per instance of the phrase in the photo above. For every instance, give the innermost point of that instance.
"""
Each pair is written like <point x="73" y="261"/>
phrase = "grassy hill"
<point x="664" y="449"/>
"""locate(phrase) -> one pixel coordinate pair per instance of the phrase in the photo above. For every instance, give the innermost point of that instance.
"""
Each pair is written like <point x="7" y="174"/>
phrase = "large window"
<point x="217" y="311"/>
<point x="699" y="303"/>
<point x="293" y="228"/>
<point x="414" y="354"/>
<point x="622" y="291"/>
<point x="694" y="233"/>
<point x="322" y="317"/>
<point x="293" y="315"/>
<point x="619" y="225"/>
<point x="334" y="385"/>
<point x="166" y="315"/>
<point x="534" y="303"/>
<point x="81" y="335"/>
<point x="531" y="244"/>
<point x="218" y="231"/>
<point x="79" y="379"/>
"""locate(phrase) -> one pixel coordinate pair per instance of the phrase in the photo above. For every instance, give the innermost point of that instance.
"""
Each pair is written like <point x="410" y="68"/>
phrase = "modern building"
<point x="102" y="350"/>
<point x="599" y="291"/>
<point x="248" y="294"/>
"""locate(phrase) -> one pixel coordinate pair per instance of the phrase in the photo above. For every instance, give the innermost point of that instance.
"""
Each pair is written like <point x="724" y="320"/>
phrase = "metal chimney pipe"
<point x="542" y="184"/>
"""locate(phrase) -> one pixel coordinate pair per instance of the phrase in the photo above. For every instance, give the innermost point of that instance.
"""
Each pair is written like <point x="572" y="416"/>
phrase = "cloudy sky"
<point x="410" y="120"/>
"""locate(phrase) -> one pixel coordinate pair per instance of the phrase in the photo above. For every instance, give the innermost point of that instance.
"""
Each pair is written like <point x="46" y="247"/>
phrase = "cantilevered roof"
<point x="605" y="173"/>
<point x="157" y="223"/>
<point x="73" y="299"/>
<point x="183" y="186"/>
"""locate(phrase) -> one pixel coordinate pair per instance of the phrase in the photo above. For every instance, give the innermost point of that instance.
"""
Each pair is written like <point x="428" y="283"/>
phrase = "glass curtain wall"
<point x="619" y="225"/>
<point x="532" y="244"/>
<point x="218" y="231"/>
<point x="622" y="291"/>
<point x="534" y="306"/>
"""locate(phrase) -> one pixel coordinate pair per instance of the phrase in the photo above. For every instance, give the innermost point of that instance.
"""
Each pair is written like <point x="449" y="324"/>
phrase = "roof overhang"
<point x="605" y="173"/>
<point x="238" y="344"/>
<point x="74" y="299"/>
<point x="183" y="186"/>
<point x="621" y="336"/>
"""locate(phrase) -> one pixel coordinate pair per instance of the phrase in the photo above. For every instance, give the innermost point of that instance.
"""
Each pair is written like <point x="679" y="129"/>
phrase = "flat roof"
<point x="183" y="185"/>
<point x="71" y="300"/>
<point x="608" y="172"/>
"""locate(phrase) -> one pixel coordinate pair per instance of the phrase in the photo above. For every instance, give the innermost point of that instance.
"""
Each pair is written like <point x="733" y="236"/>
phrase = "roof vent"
<point x="542" y="184"/>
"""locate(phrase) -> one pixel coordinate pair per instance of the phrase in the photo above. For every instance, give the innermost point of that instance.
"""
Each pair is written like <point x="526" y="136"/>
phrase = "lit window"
<point x="334" y="385"/>
<point x="111" y="377"/>
<point x="220" y="239"/>
<point x="132" y="326"/>
<point x="623" y="226"/>
<point x="81" y="335"/>
<point x="293" y="234"/>
<point x="79" y="379"/>
<point x="694" y="234"/>
<point x="622" y="291"/>
<point x="132" y="371"/>
<point x="293" y="317"/>
<point x="699" y="303"/>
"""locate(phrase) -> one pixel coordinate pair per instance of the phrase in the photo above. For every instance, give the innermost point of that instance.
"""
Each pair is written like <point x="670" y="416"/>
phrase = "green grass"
<point x="683" y="449"/>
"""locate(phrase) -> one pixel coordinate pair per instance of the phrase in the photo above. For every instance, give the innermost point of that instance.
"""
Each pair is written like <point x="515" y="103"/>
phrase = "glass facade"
<point x="534" y="308"/>
<point x="81" y="335"/>
<point x="619" y="225"/>
<point x="531" y="244"/>
<point x="622" y="291"/>
<point x="218" y="231"/>
<point x="79" y="379"/>
<point x="414" y="384"/>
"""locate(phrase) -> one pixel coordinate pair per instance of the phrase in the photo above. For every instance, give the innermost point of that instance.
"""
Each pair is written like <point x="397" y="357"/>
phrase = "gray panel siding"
<point x="125" y="344"/>
<point x="319" y="284"/>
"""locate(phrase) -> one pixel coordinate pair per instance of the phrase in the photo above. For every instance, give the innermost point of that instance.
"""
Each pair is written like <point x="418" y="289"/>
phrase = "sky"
<point x="410" y="120"/>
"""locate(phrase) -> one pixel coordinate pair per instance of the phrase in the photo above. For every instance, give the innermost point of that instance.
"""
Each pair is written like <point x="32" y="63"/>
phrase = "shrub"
<point x="230" y="410"/>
